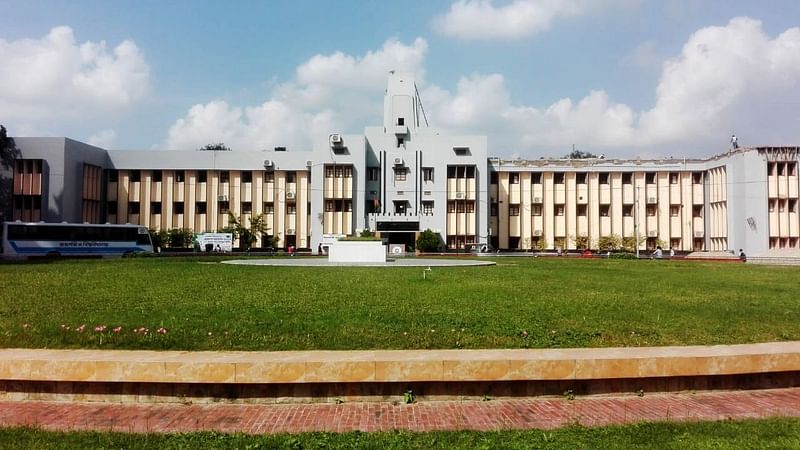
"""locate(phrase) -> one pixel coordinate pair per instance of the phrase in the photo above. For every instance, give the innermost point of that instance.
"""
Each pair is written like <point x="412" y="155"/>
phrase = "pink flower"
<point x="524" y="333"/>
<point x="161" y="330"/>
<point x="81" y="328"/>
<point x="100" y="328"/>
<point x="117" y="329"/>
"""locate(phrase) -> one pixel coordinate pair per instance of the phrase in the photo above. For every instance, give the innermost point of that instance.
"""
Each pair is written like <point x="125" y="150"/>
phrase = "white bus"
<point x="22" y="239"/>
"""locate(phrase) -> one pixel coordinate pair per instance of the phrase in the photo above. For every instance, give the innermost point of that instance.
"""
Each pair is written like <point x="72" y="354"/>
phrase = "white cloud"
<point x="482" y="20"/>
<point x="731" y="78"/>
<point x="337" y="92"/>
<point x="57" y="77"/>
<point x="103" y="139"/>
<point x="727" y="79"/>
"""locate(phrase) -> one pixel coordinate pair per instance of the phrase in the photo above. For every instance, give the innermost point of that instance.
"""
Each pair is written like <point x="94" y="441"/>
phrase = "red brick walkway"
<point x="473" y="415"/>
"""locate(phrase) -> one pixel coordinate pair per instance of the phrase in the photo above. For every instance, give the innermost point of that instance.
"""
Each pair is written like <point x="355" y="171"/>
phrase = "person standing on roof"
<point x="734" y="142"/>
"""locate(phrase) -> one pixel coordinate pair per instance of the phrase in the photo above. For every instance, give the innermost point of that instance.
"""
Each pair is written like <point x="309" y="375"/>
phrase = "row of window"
<point x="603" y="177"/>
<point x="782" y="168"/>
<point x="333" y="171"/>
<point x="400" y="174"/>
<point x="605" y="210"/>
<point x="135" y="176"/>
<point x="202" y="207"/>
<point x="783" y="205"/>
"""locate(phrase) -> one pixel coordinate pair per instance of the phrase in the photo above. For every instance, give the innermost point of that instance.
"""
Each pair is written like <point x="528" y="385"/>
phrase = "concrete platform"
<point x="323" y="262"/>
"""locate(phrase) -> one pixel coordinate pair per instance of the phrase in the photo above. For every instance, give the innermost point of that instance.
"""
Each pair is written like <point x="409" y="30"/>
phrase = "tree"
<point x="247" y="235"/>
<point x="428" y="241"/>
<point x="582" y="241"/>
<point x="8" y="153"/>
<point x="578" y="154"/>
<point x="219" y="146"/>
<point x="631" y="243"/>
<point x="611" y="242"/>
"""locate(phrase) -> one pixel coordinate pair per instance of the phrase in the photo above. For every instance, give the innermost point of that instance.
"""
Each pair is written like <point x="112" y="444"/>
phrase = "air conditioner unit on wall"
<point x="398" y="161"/>
<point x="698" y="234"/>
<point x="652" y="234"/>
<point x="309" y="163"/>
<point x="652" y="200"/>
<point x="290" y="231"/>
<point x="537" y="199"/>
<point x="537" y="232"/>
<point x="460" y="195"/>
<point x="336" y="139"/>
<point x="268" y="163"/>
<point x="222" y="198"/>
<point x="290" y="195"/>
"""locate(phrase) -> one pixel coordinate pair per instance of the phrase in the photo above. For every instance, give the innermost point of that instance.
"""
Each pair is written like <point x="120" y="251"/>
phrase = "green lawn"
<point x="751" y="434"/>
<point x="559" y="302"/>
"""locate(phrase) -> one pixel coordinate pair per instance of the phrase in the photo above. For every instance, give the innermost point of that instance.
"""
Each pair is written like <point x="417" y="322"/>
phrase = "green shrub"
<point x="428" y="241"/>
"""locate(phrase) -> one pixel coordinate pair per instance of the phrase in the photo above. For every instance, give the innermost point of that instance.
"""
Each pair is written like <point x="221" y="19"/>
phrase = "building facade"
<point x="404" y="177"/>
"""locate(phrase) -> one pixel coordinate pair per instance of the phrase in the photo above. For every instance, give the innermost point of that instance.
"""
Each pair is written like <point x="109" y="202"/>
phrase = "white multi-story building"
<point x="405" y="177"/>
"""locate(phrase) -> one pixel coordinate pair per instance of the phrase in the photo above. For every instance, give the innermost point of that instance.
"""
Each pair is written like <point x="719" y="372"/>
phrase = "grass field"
<point x="751" y="434"/>
<point x="193" y="304"/>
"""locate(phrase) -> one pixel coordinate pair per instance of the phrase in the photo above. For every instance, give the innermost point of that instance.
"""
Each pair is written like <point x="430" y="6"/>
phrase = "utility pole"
<point x="636" y="220"/>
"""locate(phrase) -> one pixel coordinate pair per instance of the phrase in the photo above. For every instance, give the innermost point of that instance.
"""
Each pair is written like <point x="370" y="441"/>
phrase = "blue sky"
<point x="621" y="77"/>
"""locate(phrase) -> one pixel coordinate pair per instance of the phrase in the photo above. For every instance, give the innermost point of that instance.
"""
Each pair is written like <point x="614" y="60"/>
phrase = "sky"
<point x="625" y="78"/>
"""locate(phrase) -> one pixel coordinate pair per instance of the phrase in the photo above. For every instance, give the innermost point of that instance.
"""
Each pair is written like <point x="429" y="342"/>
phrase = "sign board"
<point x="215" y="242"/>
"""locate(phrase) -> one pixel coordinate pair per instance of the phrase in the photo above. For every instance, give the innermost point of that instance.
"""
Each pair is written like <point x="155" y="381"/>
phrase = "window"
<point x="338" y="171"/>
<point x="269" y="207"/>
<point x="401" y="121"/>
<point x="136" y="176"/>
<point x="177" y="207"/>
<point x="675" y="210"/>
<point x="513" y="178"/>
<point x="781" y="205"/>
<point x="791" y="168"/>
<point x="400" y="207"/>
<point x="269" y="177"/>
<point x="627" y="178"/>
<point x="400" y="142"/>
<point x="180" y="176"/>
<point x="223" y="207"/>
<point x="328" y="171"/>
<point x="697" y="177"/>
<point x="580" y="178"/>
<point x="651" y="210"/>
<point x="247" y="207"/>
<point x="605" y="210"/>
<point x="792" y="205"/>
<point x="224" y="176"/>
<point x="202" y="176"/>
<point x="133" y="208"/>
<point x="247" y="176"/>
<point x="493" y="209"/>
<point x="451" y="206"/>
<point x="291" y="208"/>
<point x="558" y="178"/>
<point x="291" y="176"/>
<point x="697" y="211"/>
<point x="400" y="173"/>
<point x="581" y="210"/>
<point x="627" y="210"/>
<point x="470" y="206"/>
<point x="427" y="207"/>
<point x="603" y="177"/>
<point x="461" y="207"/>
<point x="782" y="169"/>
<point x="111" y="207"/>
<point x="427" y="174"/>
<point x="650" y="178"/>
<point x="536" y="178"/>
<point x="374" y="173"/>
<point x="673" y="178"/>
<point x="461" y="151"/>
<point x="558" y="210"/>
<point x="513" y="210"/>
<point x="112" y="174"/>
<point x="493" y="178"/>
<point x="200" y="208"/>
<point x="347" y="172"/>
<point x="470" y="172"/>
<point x="155" y="207"/>
<point x="536" y="210"/>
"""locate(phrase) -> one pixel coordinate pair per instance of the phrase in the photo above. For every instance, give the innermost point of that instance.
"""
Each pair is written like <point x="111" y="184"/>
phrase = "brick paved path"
<point x="473" y="415"/>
